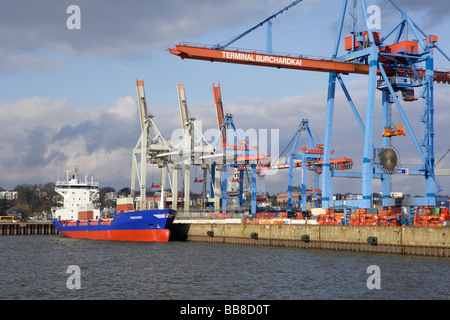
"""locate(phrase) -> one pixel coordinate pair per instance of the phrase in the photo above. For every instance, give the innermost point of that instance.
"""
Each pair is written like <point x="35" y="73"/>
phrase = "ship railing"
<point x="72" y="223"/>
<point x="262" y="52"/>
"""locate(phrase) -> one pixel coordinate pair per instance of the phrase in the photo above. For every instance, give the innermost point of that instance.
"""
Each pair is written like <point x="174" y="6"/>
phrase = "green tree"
<point x="26" y="198"/>
<point x="35" y="198"/>
<point x="102" y="197"/>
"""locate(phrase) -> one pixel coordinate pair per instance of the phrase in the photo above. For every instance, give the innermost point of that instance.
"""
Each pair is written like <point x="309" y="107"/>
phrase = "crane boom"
<point x="201" y="52"/>
<point x="219" y="112"/>
<point x="183" y="106"/>
<point x="143" y="112"/>
<point x="298" y="62"/>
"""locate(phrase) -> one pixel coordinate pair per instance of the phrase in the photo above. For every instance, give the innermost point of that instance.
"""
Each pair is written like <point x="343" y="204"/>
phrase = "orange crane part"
<point x="292" y="61"/>
<point x="389" y="132"/>
<point x="186" y="51"/>
<point x="336" y="164"/>
<point x="219" y="112"/>
<point x="251" y="157"/>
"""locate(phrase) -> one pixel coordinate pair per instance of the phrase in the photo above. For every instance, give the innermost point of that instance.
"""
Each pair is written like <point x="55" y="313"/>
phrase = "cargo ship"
<point x="79" y="218"/>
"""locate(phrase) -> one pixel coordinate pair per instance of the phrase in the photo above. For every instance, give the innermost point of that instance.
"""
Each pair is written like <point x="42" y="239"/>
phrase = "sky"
<point x="68" y="96"/>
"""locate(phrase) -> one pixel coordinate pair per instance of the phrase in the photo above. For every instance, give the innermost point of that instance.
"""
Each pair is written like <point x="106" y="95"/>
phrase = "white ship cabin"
<point x="79" y="197"/>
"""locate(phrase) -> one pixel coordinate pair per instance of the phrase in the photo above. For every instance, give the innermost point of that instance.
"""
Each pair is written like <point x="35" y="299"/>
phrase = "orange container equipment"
<point x="432" y="39"/>
<point x="329" y="218"/>
<point x="428" y="220"/>
<point x="85" y="215"/>
<point x="348" y="40"/>
<point x="403" y="46"/>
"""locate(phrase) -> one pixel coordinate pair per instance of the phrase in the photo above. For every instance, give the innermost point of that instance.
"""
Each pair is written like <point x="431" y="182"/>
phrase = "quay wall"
<point x="27" y="228"/>
<point x="409" y="240"/>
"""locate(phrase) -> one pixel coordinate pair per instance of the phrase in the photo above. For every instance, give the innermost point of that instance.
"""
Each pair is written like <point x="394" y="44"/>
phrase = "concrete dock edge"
<point x="424" y="241"/>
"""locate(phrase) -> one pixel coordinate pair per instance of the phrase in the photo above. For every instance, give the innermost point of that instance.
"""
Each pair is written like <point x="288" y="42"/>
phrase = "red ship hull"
<point x="152" y="235"/>
<point x="144" y="226"/>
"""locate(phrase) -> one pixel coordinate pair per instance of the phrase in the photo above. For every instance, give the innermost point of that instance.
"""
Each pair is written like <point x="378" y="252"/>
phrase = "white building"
<point x="78" y="199"/>
<point x="8" y="195"/>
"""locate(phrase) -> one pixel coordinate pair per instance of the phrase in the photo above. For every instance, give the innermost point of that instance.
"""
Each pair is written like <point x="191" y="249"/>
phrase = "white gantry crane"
<point x="191" y="151"/>
<point x="152" y="147"/>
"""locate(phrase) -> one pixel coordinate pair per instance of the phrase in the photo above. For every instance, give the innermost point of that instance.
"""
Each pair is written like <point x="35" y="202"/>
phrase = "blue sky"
<point x="67" y="97"/>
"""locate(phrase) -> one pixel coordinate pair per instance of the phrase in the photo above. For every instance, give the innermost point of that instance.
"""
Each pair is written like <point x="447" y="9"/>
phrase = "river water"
<point x="37" y="267"/>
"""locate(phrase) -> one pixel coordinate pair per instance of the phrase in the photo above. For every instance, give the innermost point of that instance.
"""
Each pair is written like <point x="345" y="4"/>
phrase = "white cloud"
<point x="125" y="109"/>
<point x="43" y="136"/>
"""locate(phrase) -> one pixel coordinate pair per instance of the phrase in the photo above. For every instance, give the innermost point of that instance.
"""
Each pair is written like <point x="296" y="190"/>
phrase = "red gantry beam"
<point x="198" y="52"/>
<point x="287" y="61"/>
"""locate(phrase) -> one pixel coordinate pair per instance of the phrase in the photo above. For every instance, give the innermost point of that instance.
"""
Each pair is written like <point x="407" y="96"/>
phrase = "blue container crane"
<point x="391" y="68"/>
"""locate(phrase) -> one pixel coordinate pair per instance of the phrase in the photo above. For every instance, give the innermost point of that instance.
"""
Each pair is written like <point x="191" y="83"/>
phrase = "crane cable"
<point x="224" y="44"/>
